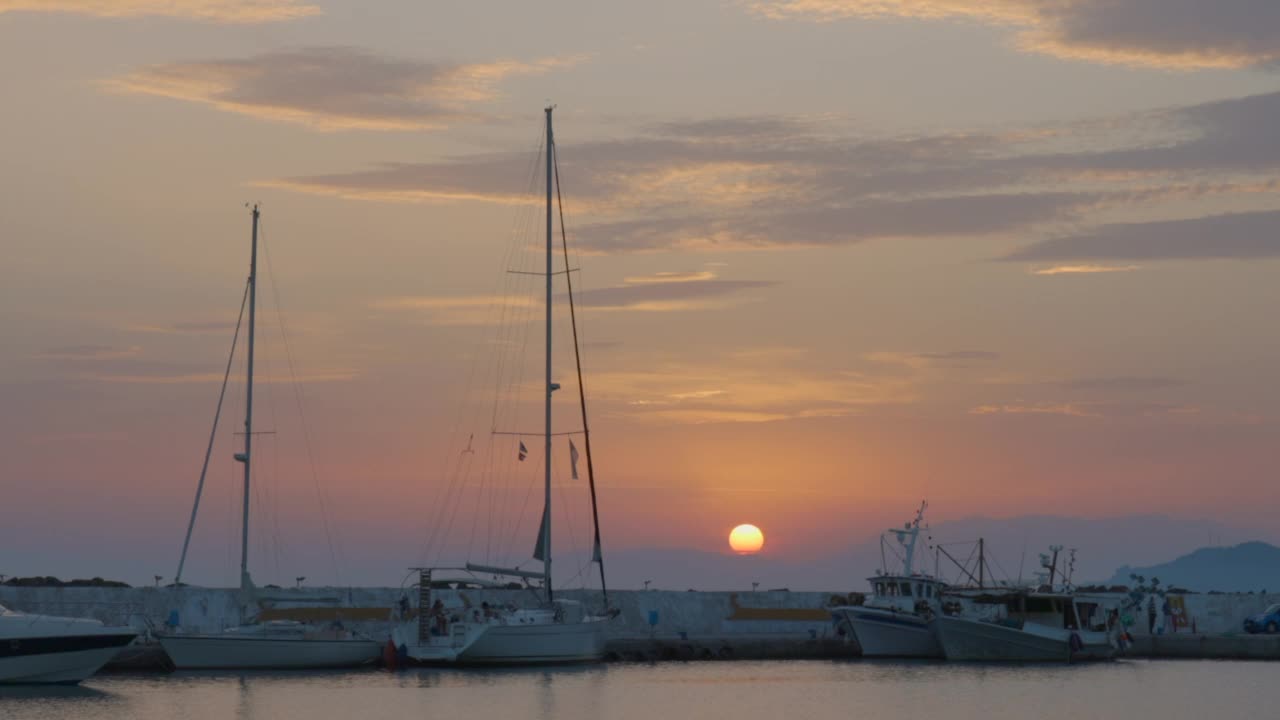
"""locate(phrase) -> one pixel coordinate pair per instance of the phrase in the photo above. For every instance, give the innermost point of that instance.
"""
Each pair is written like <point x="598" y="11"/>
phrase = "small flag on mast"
<point x="524" y="451"/>
<point x="573" y="459"/>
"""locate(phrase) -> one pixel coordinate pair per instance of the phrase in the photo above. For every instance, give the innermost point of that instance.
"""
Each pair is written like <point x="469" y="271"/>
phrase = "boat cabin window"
<point x="880" y="589"/>
<point x="928" y="591"/>
<point x="906" y="589"/>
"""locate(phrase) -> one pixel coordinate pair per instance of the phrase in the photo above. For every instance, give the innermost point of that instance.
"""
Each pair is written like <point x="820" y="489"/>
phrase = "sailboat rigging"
<point x="279" y="644"/>
<point x="560" y="630"/>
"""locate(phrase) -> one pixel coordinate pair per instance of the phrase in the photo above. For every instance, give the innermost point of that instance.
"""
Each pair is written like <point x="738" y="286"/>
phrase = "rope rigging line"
<point x="302" y="418"/>
<point x="453" y="470"/>
<point x="582" y="392"/>
<point x="213" y="432"/>
<point x="265" y="488"/>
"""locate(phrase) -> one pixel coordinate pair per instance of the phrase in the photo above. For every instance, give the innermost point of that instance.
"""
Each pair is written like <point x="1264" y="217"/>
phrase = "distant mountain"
<point x="1240" y="568"/>
<point x="1102" y="544"/>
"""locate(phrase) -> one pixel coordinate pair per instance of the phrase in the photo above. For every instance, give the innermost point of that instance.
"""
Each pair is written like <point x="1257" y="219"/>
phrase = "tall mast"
<point x="546" y="449"/>
<point x="245" y="582"/>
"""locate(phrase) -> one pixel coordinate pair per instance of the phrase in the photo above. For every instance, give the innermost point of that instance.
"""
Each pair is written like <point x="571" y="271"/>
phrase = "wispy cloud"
<point x="458" y="310"/>
<point x="688" y="294"/>
<point x="222" y="11"/>
<point x="184" y="328"/>
<point x="1124" y="383"/>
<point x="746" y="387"/>
<point x="1067" y="409"/>
<point x="199" y="378"/>
<point x="335" y="88"/>
<point x="1235" y="235"/>
<point x="671" y="277"/>
<point x="921" y="360"/>
<point x="715" y="186"/>
<point x="1084" y="269"/>
<point x="1175" y="34"/>
<point x="89" y="352"/>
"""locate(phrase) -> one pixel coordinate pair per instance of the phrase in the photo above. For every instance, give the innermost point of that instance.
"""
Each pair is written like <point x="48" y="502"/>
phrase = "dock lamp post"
<point x="158" y="579"/>
<point x="646" y="583"/>
<point x="754" y="585"/>
<point x="299" y="580"/>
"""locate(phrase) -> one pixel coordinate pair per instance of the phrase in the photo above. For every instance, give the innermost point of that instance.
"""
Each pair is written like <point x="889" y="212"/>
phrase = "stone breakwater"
<point x="651" y="625"/>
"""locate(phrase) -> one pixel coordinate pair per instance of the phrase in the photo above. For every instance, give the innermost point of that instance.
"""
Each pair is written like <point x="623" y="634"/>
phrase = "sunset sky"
<point x="1018" y="257"/>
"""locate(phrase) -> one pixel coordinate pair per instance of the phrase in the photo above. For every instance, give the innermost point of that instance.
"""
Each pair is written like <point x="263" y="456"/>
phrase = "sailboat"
<point x="896" y="620"/>
<point x="559" y="630"/>
<point x="270" y="645"/>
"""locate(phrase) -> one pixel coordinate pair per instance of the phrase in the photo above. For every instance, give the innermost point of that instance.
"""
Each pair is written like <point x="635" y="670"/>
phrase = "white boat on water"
<point x="1028" y="626"/>
<point x="279" y="644"/>
<point x="895" y="621"/>
<point x="45" y="649"/>
<point x="1023" y="625"/>
<point x="557" y="630"/>
<point x="275" y="645"/>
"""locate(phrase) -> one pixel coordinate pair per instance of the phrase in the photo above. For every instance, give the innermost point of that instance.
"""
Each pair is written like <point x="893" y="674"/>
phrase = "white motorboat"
<point x="279" y="645"/>
<point x="557" y="630"/>
<point x="895" y="621"/>
<point x="44" y="649"/>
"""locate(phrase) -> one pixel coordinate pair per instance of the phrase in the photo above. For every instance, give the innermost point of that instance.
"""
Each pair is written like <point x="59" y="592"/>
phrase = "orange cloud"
<point x="671" y="277"/>
<point x="223" y="11"/>
<point x="1038" y="409"/>
<point x="196" y="378"/>
<point x="752" y="390"/>
<point x="458" y="310"/>
<point x="1084" y="269"/>
<point x="334" y="88"/>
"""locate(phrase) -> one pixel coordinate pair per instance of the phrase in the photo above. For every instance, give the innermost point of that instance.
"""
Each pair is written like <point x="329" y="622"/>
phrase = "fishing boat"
<point x="895" y="621"/>
<point x="278" y="644"/>
<point x="1050" y="623"/>
<point x="557" y="630"/>
<point x="46" y="649"/>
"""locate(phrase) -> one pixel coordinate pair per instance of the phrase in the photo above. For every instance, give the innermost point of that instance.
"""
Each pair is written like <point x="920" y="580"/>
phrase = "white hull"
<point x="208" y="652"/>
<point x="49" y="649"/>
<point x="57" y="667"/>
<point x="549" y="643"/>
<point x="971" y="639"/>
<point x="511" y="644"/>
<point x="889" y="634"/>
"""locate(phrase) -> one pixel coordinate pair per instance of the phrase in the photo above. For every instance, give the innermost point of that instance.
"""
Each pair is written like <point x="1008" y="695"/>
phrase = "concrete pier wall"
<point x="651" y="624"/>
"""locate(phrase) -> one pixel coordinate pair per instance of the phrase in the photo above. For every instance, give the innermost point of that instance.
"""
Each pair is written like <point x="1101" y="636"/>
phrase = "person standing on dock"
<point x="1151" y="616"/>
<point x="1167" y="610"/>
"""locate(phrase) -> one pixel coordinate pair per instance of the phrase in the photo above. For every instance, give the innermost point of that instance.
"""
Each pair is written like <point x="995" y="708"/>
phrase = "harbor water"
<point x="742" y="690"/>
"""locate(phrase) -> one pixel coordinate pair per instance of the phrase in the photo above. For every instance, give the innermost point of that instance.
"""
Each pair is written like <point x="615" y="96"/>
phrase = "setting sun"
<point x="746" y="539"/>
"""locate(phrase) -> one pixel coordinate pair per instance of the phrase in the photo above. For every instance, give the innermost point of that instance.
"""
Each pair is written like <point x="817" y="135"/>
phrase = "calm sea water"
<point x="674" y="691"/>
